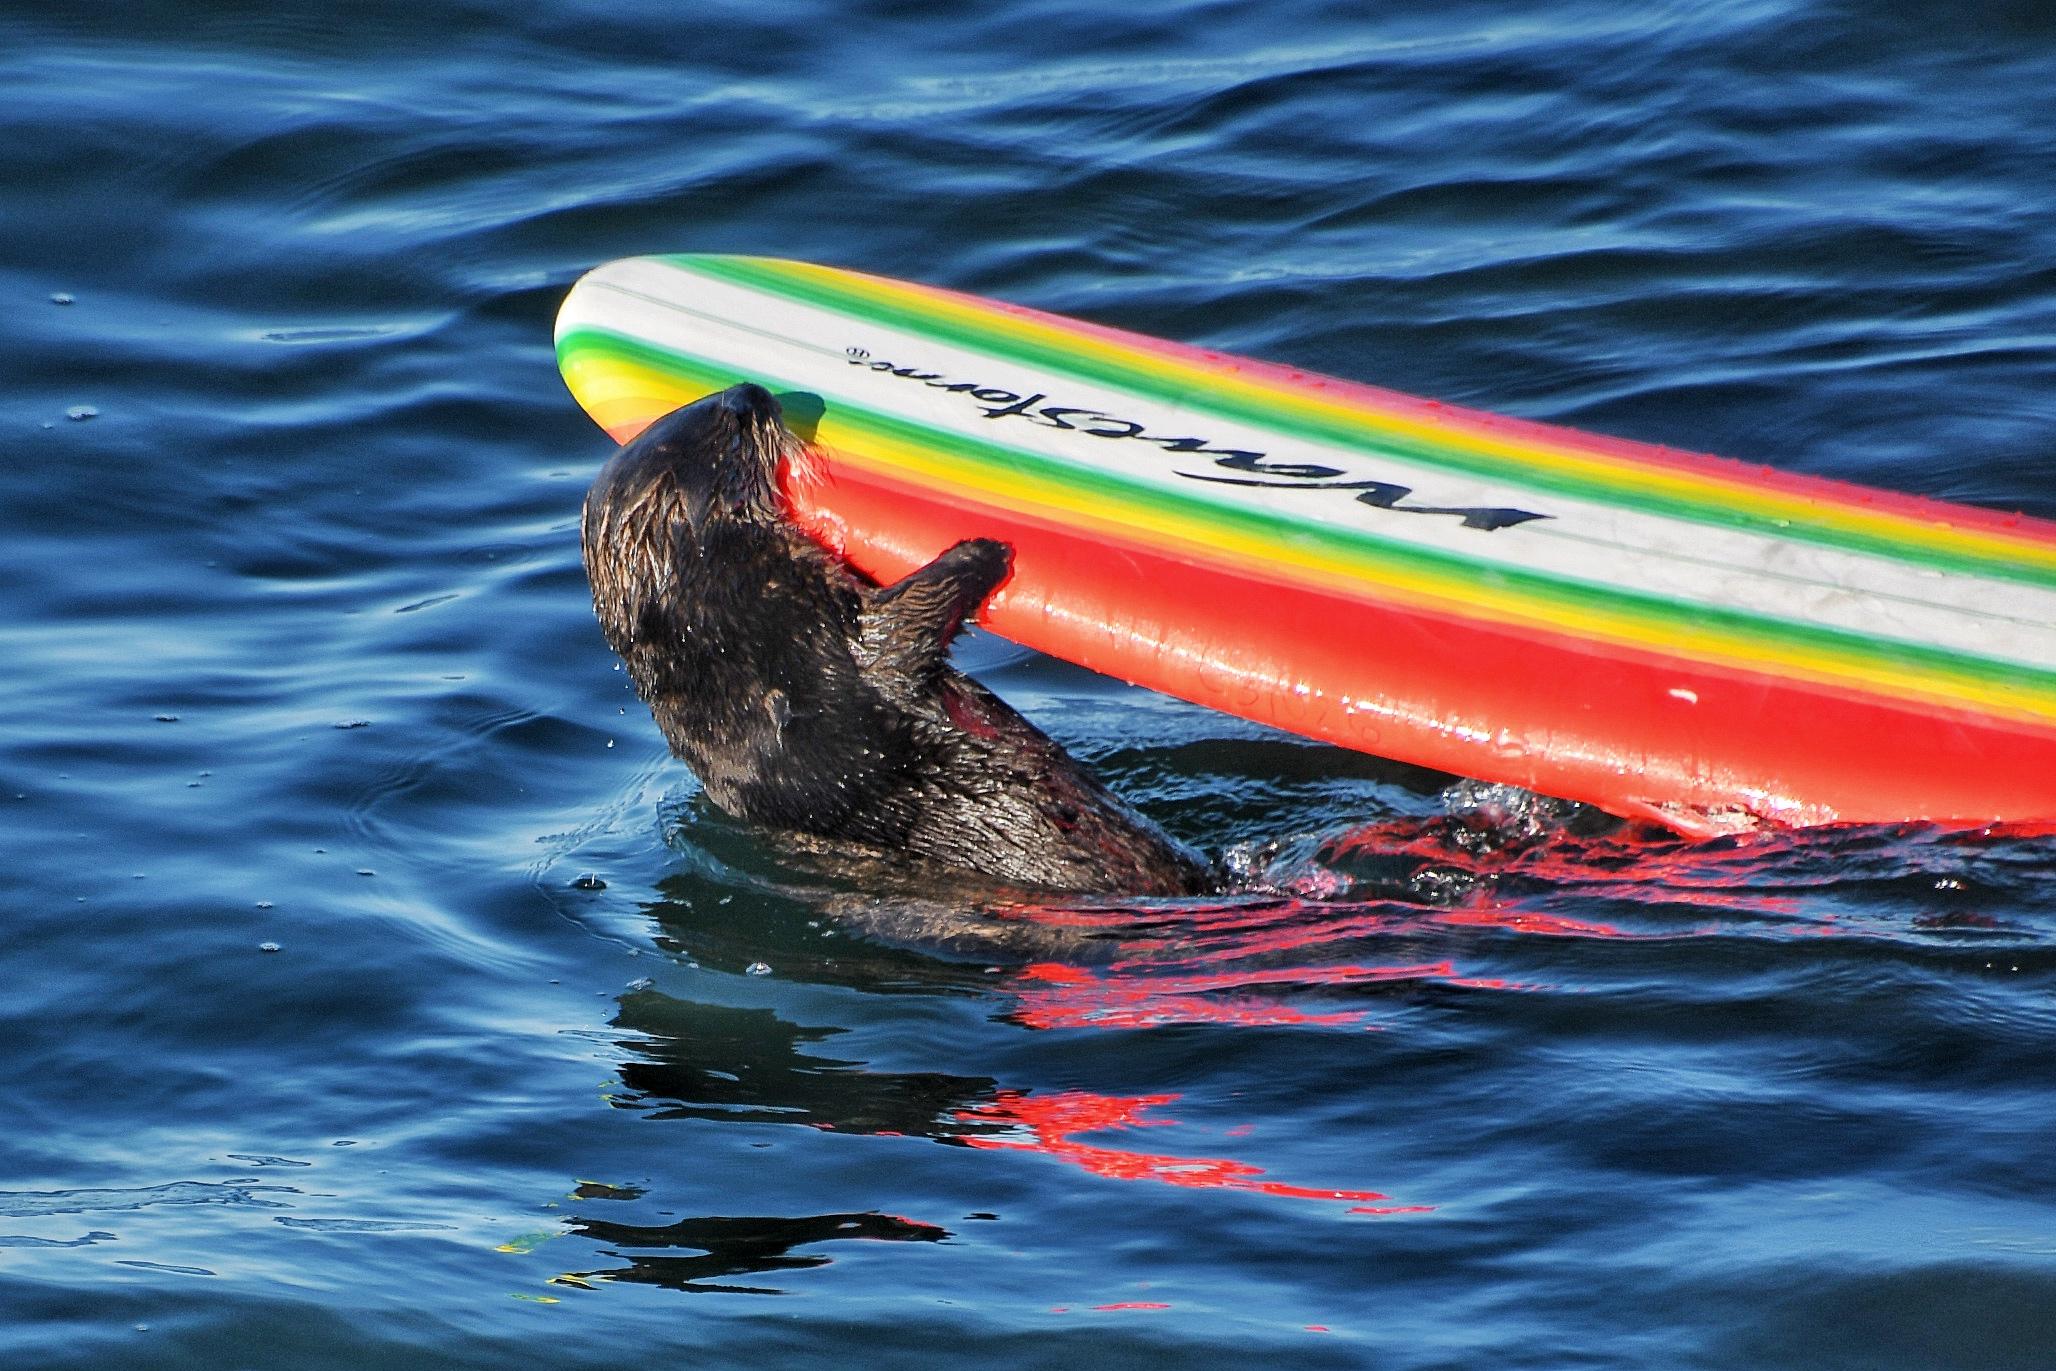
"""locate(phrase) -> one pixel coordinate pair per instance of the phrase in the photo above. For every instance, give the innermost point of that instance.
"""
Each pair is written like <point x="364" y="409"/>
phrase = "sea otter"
<point x="811" y="700"/>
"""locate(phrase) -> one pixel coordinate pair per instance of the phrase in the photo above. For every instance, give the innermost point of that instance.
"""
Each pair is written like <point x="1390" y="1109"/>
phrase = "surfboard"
<point x="1672" y="637"/>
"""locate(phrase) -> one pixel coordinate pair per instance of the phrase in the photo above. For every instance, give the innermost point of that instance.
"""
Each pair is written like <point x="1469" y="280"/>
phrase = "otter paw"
<point x="983" y="552"/>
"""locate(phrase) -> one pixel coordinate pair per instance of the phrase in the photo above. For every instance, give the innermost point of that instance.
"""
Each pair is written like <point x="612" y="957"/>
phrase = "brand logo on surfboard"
<point x="1249" y="468"/>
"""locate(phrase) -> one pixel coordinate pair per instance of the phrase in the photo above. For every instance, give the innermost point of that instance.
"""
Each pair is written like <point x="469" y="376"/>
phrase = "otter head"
<point x="715" y="458"/>
<point x="712" y="465"/>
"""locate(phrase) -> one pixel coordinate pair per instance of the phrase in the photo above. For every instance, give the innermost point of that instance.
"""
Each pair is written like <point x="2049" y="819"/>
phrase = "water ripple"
<point x="1457" y="1078"/>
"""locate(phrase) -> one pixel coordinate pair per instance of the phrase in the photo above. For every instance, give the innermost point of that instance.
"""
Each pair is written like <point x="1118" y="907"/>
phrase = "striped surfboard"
<point x="1669" y="636"/>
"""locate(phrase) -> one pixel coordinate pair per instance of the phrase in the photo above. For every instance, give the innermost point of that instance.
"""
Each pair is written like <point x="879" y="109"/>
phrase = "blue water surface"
<point x="375" y="992"/>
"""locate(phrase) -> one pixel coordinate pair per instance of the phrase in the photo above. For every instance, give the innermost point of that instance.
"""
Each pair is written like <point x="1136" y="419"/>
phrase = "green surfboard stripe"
<point x="767" y="275"/>
<point x="2030" y="688"/>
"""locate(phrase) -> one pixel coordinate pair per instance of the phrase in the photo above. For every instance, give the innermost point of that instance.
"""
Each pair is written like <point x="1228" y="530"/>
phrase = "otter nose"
<point x="749" y="400"/>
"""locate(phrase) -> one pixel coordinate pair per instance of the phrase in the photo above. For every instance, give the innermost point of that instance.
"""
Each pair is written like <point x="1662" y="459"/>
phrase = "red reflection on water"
<point x="1527" y="921"/>
<point x="1254" y="961"/>
<point x="1146" y="990"/>
<point x="1287" y="927"/>
<point x="1055" y="1121"/>
<point x="1667" y="871"/>
<point x="1639" y="864"/>
<point x="1054" y="995"/>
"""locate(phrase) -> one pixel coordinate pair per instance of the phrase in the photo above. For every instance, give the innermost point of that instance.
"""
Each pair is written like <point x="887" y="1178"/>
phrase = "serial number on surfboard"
<point x="1257" y="468"/>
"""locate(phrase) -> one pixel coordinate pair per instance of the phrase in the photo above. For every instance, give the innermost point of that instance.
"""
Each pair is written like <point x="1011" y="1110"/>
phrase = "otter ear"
<point x="909" y="625"/>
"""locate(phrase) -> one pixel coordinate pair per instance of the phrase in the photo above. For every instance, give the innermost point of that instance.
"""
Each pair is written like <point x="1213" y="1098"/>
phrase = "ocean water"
<point x="374" y="991"/>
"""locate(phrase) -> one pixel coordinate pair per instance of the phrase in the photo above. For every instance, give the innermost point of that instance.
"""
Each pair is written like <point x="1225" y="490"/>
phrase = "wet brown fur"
<point x="810" y="700"/>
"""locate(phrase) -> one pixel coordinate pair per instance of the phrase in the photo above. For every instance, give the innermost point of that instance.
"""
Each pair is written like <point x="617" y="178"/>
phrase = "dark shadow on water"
<point x="732" y="1246"/>
<point x="688" y="1061"/>
<point x="715" y="1062"/>
<point x="700" y="1063"/>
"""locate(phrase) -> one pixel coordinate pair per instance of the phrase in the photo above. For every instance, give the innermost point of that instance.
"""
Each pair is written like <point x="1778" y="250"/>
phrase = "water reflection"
<point x="744" y="1065"/>
<point x="1052" y="1125"/>
<point x="1373" y="928"/>
<point x="1337" y="930"/>
<point x="751" y="1246"/>
<point x="706" y="1061"/>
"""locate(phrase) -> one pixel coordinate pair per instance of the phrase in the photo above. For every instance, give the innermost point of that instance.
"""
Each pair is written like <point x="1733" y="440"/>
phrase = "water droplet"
<point x="588" y="881"/>
<point x="353" y="723"/>
<point x="264" y="904"/>
<point x="267" y="947"/>
<point x="366" y="871"/>
<point x="758" y="969"/>
<point x="81" y="412"/>
<point x="610" y="742"/>
<point x="167" y="718"/>
<point x="641" y="983"/>
<point x="63" y="297"/>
